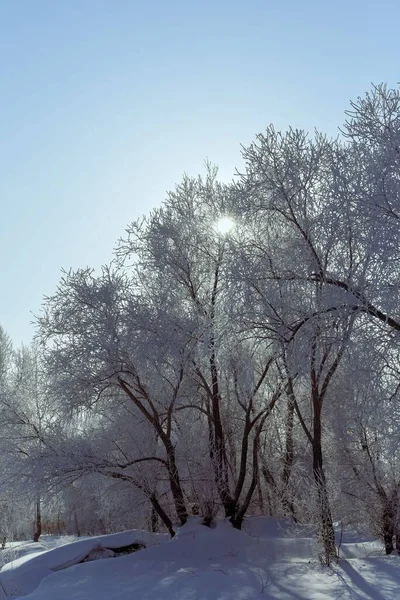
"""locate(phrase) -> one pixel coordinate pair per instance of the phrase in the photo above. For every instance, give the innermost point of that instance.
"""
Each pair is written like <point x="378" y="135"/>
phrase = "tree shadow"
<point x="359" y="582"/>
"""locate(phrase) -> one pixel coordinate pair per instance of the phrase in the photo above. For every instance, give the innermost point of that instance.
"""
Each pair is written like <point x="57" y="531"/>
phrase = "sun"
<point x="224" y="225"/>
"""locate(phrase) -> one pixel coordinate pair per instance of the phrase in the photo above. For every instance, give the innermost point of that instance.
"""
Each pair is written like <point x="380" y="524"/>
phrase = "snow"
<point x="268" y="560"/>
<point x="22" y="575"/>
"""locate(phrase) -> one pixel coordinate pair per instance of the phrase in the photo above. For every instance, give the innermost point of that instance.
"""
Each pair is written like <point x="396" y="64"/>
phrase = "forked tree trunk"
<point x="218" y="453"/>
<point x="218" y="450"/>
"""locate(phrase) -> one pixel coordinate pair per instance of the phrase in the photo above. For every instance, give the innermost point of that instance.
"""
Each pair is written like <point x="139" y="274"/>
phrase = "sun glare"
<point x="224" y="225"/>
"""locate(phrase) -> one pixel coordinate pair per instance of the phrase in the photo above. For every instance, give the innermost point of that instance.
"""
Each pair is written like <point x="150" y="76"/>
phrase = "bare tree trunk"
<point x="174" y="480"/>
<point x="388" y="527"/>
<point x="327" y="531"/>
<point x="162" y="514"/>
<point x="173" y="473"/>
<point x="38" y="521"/>
<point x="237" y="520"/>
<point x="150" y="495"/>
<point x="289" y="454"/>
<point x="218" y="452"/>
<point x="271" y="485"/>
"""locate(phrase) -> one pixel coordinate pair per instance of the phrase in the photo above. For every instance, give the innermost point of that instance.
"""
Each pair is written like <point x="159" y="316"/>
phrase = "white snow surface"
<point x="267" y="560"/>
<point x="22" y="575"/>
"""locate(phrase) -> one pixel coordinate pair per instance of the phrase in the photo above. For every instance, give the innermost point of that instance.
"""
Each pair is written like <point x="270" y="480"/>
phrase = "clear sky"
<point x="104" y="104"/>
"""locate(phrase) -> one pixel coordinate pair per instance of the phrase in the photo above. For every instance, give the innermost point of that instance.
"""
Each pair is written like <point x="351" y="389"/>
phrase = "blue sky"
<point x="104" y="104"/>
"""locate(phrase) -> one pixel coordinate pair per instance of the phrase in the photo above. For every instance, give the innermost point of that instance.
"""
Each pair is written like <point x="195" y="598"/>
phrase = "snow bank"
<point x="21" y="576"/>
<point x="268" y="560"/>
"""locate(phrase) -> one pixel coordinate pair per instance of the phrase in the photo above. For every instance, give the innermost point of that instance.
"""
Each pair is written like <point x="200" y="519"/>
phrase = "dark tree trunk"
<point x="38" y="522"/>
<point x="153" y="417"/>
<point x="327" y="531"/>
<point x="289" y="456"/>
<point x="388" y="528"/>
<point x="218" y="452"/>
<point x="218" y="449"/>
<point x="174" y="481"/>
<point x="162" y="514"/>
<point x="242" y="509"/>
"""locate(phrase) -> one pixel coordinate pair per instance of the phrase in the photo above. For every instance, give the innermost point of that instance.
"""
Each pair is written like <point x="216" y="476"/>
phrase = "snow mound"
<point x="23" y="575"/>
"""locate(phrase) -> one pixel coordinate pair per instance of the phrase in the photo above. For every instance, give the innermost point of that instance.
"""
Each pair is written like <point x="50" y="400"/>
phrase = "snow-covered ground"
<point x="267" y="560"/>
